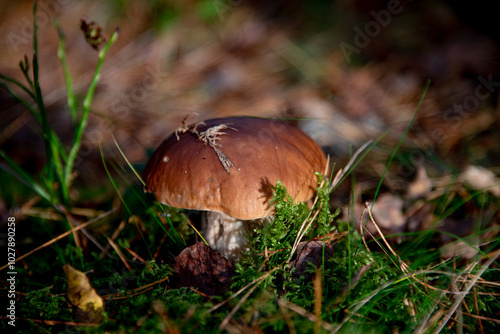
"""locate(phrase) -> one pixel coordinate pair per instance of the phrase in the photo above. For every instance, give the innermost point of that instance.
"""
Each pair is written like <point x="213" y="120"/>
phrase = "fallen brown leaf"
<point x="420" y="186"/>
<point x="479" y="178"/>
<point x="388" y="212"/>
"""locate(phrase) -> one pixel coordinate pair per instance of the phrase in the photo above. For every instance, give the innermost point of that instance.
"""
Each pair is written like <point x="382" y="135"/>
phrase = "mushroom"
<point x="227" y="167"/>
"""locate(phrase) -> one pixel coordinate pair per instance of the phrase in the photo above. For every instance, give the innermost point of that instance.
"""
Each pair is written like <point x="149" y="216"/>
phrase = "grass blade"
<point x="128" y="163"/>
<point x="61" y="53"/>
<point x="17" y="83"/>
<point x="28" y="106"/>
<point x="18" y="172"/>
<point x="426" y="88"/>
<point x="120" y="195"/>
<point x="175" y="237"/>
<point x="39" y="98"/>
<point x="86" y="109"/>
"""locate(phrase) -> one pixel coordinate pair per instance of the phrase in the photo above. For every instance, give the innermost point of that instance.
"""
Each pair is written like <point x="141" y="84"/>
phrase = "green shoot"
<point x="56" y="180"/>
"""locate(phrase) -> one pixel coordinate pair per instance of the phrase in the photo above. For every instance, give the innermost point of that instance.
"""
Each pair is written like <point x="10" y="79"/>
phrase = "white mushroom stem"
<point x="226" y="234"/>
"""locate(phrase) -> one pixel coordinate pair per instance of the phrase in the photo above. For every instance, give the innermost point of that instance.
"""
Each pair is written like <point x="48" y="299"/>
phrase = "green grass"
<point x="381" y="299"/>
<point x="55" y="182"/>
<point x="356" y="290"/>
<point x="378" y="296"/>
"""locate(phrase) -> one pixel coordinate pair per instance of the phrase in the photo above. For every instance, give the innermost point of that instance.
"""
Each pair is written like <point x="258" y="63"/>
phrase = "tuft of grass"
<point x="54" y="183"/>
<point x="379" y="296"/>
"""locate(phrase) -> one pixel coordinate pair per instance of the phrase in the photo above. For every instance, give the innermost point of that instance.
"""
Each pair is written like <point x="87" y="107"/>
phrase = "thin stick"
<point x="115" y="235"/>
<point x="361" y="230"/>
<point x="404" y="265"/>
<point x="120" y="254"/>
<point x="481" y="330"/>
<point x="138" y="291"/>
<point x="137" y="256"/>
<point x="72" y="223"/>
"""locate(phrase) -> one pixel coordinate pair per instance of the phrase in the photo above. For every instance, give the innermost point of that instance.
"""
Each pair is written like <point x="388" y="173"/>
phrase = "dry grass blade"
<point x="479" y="318"/>
<point x="256" y="283"/>
<point x="378" y="229"/>
<point x="432" y="317"/>
<point x="288" y="318"/>
<point x="137" y="256"/>
<point x="115" y="235"/>
<point x="380" y="245"/>
<point x="137" y="291"/>
<point x="466" y="289"/>
<point x="128" y="162"/>
<point x="299" y="310"/>
<point x="304" y="226"/>
<point x="404" y="267"/>
<point x="303" y="229"/>
<point x="343" y="172"/>
<point x="361" y="230"/>
<point x="50" y="213"/>
<point x="362" y="302"/>
<point x="64" y="235"/>
<point x="120" y="254"/>
<point x="354" y="281"/>
<point x="14" y="126"/>
<point x="215" y="307"/>
<point x="477" y="309"/>
<point x="74" y="222"/>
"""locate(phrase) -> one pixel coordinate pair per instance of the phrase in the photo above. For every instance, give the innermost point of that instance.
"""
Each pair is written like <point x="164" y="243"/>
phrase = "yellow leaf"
<point x="87" y="304"/>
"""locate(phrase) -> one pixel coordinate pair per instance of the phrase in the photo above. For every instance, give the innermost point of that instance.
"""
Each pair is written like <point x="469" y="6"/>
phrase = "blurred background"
<point x="344" y="71"/>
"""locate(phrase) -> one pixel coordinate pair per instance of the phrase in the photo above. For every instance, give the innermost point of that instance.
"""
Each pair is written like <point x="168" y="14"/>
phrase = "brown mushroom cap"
<point x="187" y="173"/>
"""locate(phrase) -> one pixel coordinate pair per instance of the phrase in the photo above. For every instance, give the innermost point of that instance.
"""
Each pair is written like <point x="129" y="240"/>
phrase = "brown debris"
<point x="310" y="252"/>
<point x="420" y="186"/>
<point x="388" y="212"/>
<point x="210" y="136"/>
<point x="204" y="269"/>
<point x="480" y="178"/>
<point x="92" y="32"/>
